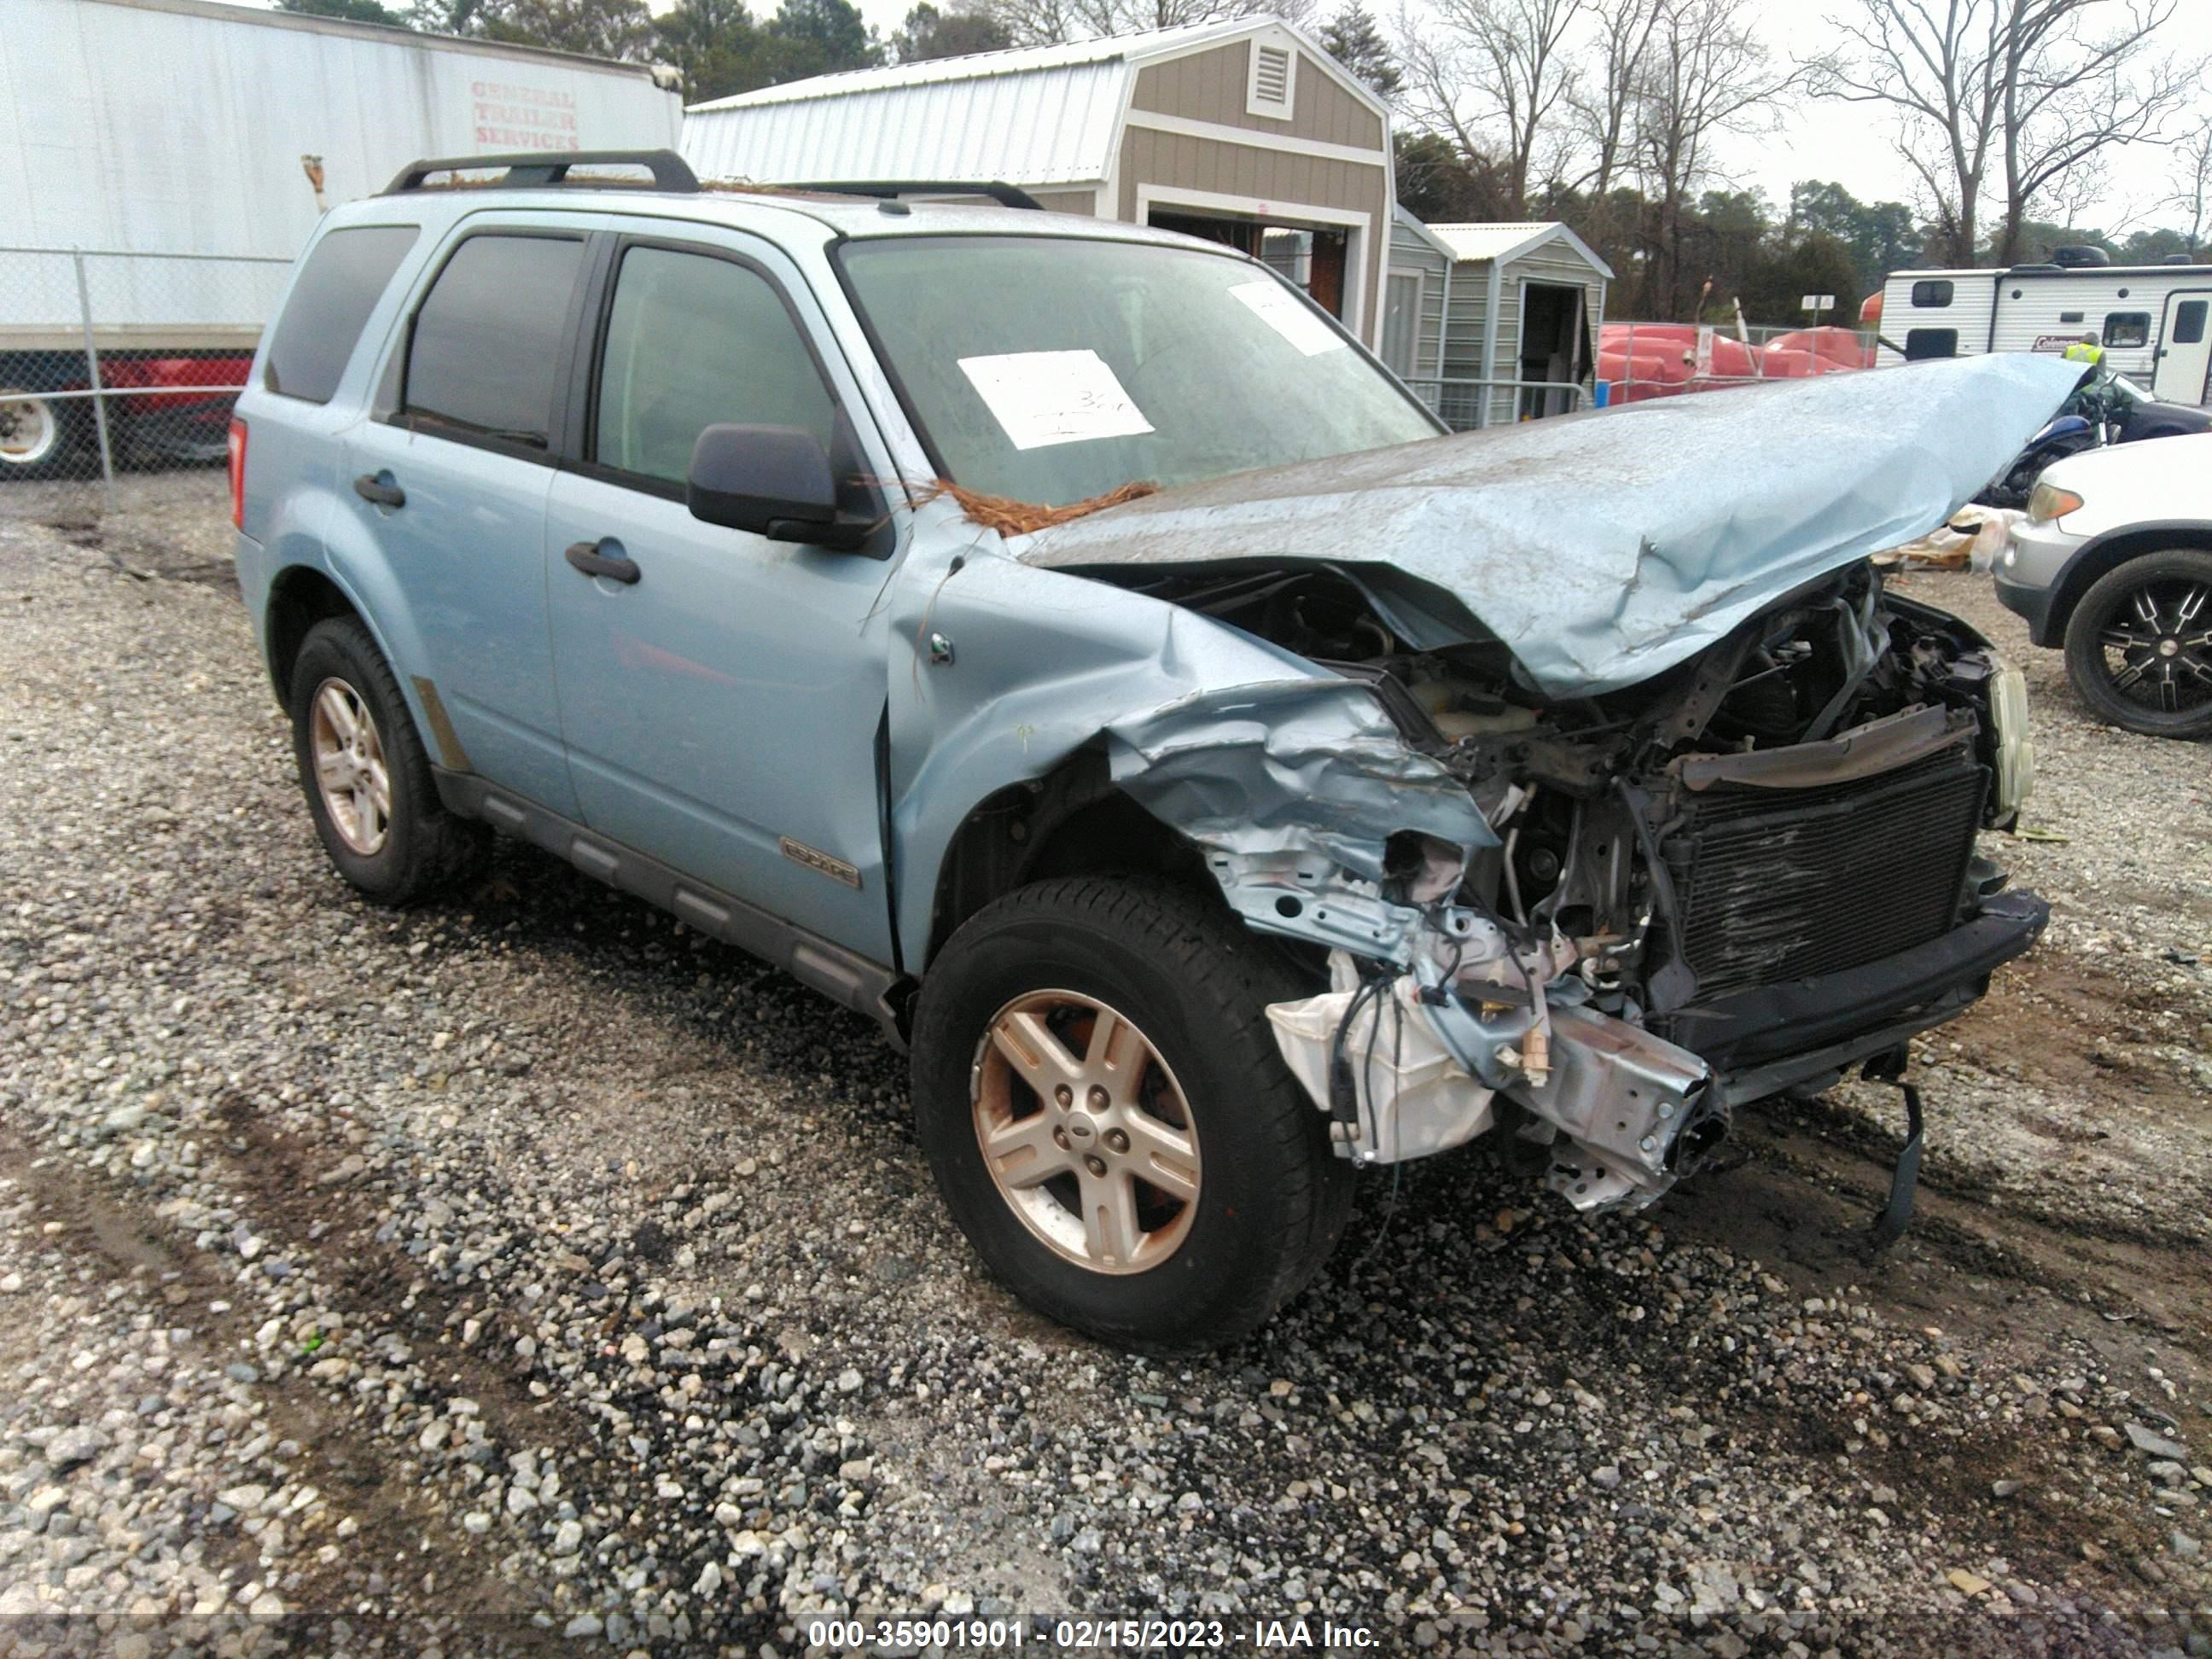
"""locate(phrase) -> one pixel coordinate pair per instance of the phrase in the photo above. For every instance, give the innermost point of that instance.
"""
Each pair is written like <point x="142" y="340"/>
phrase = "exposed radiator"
<point x="1774" y="884"/>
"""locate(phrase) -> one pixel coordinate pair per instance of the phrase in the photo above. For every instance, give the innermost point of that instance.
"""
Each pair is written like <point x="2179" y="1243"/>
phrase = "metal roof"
<point x="1404" y="216"/>
<point x="1508" y="241"/>
<point x="979" y="65"/>
<point x="1031" y="115"/>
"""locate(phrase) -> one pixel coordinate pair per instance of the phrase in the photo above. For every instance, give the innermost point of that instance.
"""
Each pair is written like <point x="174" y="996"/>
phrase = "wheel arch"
<point x="2099" y="556"/>
<point x="300" y="596"/>
<point x="1073" y="821"/>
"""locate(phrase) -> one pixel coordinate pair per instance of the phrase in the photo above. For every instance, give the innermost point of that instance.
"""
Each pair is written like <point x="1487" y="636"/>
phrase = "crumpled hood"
<point x="1605" y="548"/>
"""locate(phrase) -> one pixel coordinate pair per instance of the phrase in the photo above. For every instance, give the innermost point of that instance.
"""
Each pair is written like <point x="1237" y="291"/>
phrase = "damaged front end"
<point x="1597" y="924"/>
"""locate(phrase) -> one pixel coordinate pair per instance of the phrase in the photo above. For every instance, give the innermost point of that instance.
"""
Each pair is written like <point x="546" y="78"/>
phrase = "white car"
<point x="2113" y="562"/>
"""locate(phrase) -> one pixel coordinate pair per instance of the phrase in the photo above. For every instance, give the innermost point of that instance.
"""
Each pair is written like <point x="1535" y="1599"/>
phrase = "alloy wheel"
<point x="2157" y="646"/>
<point x="350" y="768"/>
<point x="1085" y="1132"/>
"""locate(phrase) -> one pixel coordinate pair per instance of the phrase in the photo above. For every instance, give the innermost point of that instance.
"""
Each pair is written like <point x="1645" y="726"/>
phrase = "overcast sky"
<point x="1850" y="143"/>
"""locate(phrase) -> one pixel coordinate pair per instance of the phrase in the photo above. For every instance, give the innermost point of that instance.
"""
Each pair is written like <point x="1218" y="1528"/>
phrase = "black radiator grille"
<point x="1782" y="884"/>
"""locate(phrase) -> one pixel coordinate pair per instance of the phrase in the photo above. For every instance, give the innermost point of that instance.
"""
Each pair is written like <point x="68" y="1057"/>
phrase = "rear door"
<point x="721" y="703"/>
<point x="449" y="476"/>
<point x="2184" y="352"/>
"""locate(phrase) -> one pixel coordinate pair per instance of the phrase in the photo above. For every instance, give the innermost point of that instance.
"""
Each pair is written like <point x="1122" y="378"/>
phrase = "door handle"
<point x="371" y="488"/>
<point x="588" y="558"/>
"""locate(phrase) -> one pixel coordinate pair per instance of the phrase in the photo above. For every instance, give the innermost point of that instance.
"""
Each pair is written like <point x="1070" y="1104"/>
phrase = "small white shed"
<point x="1243" y="131"/>
<point x="1472" y="309"/>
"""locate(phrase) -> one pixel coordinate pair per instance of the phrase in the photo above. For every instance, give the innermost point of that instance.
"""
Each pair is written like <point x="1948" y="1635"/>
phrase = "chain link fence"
<point x="1464" y="404"/>
<point x="118" y="372"/>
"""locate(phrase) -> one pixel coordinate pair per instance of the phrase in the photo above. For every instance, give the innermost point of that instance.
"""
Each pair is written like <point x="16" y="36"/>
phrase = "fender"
<point x="1029" y="665"/>
<point x="2105" y="552"/>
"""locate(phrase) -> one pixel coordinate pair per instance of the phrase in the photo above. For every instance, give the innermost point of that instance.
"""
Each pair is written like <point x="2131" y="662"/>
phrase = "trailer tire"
<point x="38" y="434"/>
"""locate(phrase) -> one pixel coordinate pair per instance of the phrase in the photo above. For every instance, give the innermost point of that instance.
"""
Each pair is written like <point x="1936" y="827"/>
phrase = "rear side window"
<point x="2189" y="322"/>
<point x="693" y="341"/>
<point x="2127" y="328"/>
<point x="487" y="340"/>
<point x="1921" y="343"/>
<point x="1935" y="292"/>
<point x="338" y="287"/>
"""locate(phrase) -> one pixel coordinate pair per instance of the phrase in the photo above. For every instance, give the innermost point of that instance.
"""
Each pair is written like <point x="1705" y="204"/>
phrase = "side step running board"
<point x="844" y="977"/>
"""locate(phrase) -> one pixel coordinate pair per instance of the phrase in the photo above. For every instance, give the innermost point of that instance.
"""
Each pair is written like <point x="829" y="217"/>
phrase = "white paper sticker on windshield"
<point x="1046" y="397"/>
<point x="1278" y="308"/>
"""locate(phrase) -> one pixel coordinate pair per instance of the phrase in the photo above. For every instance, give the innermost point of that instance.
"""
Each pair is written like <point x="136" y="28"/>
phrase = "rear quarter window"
<point x="490" y="335"/>
<point x="338" y="287"/>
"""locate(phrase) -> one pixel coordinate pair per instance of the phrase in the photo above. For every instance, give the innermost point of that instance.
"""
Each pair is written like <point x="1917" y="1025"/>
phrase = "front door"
<point x="2185" y="350"/>
<point x="722" y="709"/>
<point x="452" y="485"/>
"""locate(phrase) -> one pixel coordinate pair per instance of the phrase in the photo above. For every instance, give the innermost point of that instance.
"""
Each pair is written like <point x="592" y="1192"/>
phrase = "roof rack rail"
<point x="890" y="190"/>
<point x="534" y="171"/>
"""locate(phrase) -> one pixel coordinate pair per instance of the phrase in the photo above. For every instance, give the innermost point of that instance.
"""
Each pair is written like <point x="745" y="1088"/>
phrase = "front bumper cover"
<point x="2031" y="603"/>
<point x="1621" y="1113"/>
<point x="1765" y="1025"/>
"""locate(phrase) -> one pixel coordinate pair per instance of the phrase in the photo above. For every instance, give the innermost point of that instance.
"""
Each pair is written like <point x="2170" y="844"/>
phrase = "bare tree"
<point x="1492" y="75"/>
<point x="2191" y="175"/>
<point x="1707" y="72"/>
<point x="1604" y="94"/>
<point x="2030" y="88"/>
<point x="1037" y="23"/>
<point x="2071" y="95"/>
<point x="2074" y="194"/>
<point x="1941" y="67"/>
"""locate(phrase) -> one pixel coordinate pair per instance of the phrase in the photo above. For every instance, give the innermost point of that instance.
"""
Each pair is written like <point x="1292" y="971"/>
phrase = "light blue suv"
<point x="1339" y="794"/>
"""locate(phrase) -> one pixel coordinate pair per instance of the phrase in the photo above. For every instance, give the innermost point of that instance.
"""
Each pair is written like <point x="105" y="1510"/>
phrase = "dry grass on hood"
<point x="1012" y="518"/>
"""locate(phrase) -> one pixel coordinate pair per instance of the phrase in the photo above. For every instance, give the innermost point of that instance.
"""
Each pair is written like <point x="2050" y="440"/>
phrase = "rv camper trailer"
<point x="2152" y="320"/>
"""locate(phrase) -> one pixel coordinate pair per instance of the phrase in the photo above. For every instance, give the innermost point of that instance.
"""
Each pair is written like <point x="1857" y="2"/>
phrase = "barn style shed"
<point x="1243" y="131"/>
<point x="1472" y="308"/>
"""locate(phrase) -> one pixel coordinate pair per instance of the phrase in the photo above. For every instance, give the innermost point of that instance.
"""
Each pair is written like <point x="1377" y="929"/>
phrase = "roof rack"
<point x="890" y="190"/>
<point x="529" y="171"/>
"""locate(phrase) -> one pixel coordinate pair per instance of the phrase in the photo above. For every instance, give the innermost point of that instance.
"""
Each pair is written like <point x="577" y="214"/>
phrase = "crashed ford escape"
<point x="1335" y="794"/>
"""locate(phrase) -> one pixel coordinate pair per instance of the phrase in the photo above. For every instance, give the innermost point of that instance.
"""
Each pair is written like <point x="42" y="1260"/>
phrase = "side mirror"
<point x="774" y="481"/>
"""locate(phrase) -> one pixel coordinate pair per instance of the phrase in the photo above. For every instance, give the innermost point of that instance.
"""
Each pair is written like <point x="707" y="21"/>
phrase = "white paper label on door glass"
<point x="1046" y="397"/>
<point x="1282" y="311"/>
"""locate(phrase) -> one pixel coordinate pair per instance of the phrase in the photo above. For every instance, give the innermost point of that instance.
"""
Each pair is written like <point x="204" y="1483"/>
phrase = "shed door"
<point x="2185" y="348"/>
<point x="1402" y="311"/>
<point x="1553" y="346"/>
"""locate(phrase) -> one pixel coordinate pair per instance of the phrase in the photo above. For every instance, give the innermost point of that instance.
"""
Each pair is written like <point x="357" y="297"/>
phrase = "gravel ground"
<point x="526" y="1273"/>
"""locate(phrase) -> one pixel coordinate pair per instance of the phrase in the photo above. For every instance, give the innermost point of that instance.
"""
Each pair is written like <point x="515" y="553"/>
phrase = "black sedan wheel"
<point x="2139" y="647"/>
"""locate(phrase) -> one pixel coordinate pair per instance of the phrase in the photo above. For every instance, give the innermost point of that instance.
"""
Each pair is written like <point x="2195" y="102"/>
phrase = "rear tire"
<point x="1269" y="1198"/>
<point x="366" y="777"/>
<point x="2139" y="645"/>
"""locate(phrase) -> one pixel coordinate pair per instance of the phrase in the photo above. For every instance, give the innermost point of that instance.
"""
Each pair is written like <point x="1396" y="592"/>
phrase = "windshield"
<point x="1052" y="369"/>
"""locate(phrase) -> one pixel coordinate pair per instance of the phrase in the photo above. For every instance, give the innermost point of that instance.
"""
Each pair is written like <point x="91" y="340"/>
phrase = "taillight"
<point x="237" y="446"/>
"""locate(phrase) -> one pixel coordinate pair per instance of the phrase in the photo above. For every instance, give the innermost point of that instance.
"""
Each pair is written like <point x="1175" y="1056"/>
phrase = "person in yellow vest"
<point x="2085" y="350"/>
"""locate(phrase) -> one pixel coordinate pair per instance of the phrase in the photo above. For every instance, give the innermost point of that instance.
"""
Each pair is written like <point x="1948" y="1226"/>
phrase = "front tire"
<point x="1102" y="1102"/>
<point x="2139" y="645"/>
<point x="366" y="777"/>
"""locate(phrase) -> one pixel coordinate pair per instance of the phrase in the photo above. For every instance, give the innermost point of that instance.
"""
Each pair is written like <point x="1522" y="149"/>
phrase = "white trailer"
<point x="2152" y="320"/>
<point x="155" y="187"/>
